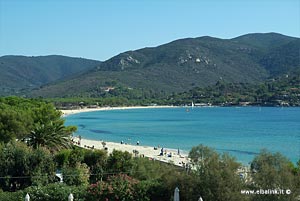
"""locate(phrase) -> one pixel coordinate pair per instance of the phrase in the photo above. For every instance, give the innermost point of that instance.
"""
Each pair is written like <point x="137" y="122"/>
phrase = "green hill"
<point x="283" y="59"/>
<point x="183" y="64"/>
<point x="20" y="73"/>
<point x="265" y="41"/>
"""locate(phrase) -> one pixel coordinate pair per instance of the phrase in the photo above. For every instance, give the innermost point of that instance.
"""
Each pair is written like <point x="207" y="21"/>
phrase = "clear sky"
<point x="100" y="29"/>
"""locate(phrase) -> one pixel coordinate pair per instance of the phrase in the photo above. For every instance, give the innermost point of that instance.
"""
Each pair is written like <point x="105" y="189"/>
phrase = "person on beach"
<point x="137" y="142"/>
<point x="161" y="152"/>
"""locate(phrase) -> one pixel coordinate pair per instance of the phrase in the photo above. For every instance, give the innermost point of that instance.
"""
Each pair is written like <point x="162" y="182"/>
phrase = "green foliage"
<point x="52" y="135"/>
<point x="55" y="192"/>
<point x="22" y="166"/>
<point x="274" y="171"/>
<point x="282" y="91"/>
<point x="217" y="177"/>
<point x="76" y="175"/>
<point x="42" y="167"/>
<point x="96" y="160"/>
<point x="95" y="157"/>
<point x="153" y="178"/>
<point x="14" y="165"/>
<point x="13" y="124"/>
<point x="119" y="187"/>
<point x="62" y="157"/>
<point x="11" y="196"/>
<point x="145" y="169"/>
<point x="76" y="156"/>
<point x="200" y="153"/>
<point x="45" y="113"/>
<point x="158" y="180"/>
<point x="49" y="130"/>
<point x="74" y="170"/>
<point x="120" y="162"/>
<point x="34" y="121"/>
<point x="69" y="159"/>
<point x="214" y="176"/>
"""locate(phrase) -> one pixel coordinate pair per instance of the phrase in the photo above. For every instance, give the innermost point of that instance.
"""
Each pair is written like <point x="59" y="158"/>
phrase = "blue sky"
<point x="100" y="29"/>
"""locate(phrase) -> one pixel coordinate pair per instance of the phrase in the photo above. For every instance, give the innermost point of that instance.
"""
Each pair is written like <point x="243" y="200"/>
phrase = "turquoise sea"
<point x="240" y="131"/>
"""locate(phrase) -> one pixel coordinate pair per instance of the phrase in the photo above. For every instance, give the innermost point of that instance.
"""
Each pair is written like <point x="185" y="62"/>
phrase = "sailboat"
<point x="192" y="106"/>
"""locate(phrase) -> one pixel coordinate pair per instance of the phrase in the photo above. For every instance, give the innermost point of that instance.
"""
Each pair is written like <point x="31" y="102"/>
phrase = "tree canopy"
<point x="34" y="121"/>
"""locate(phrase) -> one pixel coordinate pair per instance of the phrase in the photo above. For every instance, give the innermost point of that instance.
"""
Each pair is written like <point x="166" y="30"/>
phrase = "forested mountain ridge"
<point x="19" y="73"/>
<point x="186" y="63"/>
<point x="173" y="67"/>
<point x="279" y="91"/>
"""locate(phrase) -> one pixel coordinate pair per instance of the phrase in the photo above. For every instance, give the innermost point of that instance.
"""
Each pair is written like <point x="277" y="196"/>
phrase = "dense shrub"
<point x="23" y="166"/>
<point x="118" y="187"/>
<point x="76" y="175"/>
<point x="12" y="196"/>
<point x="55" y="192"/>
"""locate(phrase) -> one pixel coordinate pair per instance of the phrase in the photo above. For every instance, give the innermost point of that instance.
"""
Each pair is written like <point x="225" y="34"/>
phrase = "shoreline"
<point x="130" y="147"/>
<point x="153" y="153"/>
<point x="77" y="111"/>
<point x="169" y="156"/>
<point x="145" y="150"/>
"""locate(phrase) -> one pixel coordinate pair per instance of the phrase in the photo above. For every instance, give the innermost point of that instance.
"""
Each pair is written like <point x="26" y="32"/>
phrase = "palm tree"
<point x="53" y="136"/>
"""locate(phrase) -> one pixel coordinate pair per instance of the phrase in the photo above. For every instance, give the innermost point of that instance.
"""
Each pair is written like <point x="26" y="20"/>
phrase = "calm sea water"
<point x="241" y="132"/>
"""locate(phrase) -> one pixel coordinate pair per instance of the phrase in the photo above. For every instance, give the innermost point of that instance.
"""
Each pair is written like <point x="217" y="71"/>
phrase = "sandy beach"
<point x="76" y="111"/>
<point x="168" y="156"/>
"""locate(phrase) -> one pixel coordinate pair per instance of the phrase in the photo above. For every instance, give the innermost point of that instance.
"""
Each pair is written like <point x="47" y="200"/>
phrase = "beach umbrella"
<point x="71" y="197"/>
<point x="59" y="175"/>
<point x="27" y="197"/>
<point x="200" y="199"/>
<point x="176" y="194"/>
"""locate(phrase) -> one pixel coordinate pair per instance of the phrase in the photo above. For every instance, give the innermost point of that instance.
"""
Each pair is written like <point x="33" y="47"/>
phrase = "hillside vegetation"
<point x="279" y="91"/>
<point x="177" y="66"/>
<point x="18" y="74"/>
<point x="187" y="63"/>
